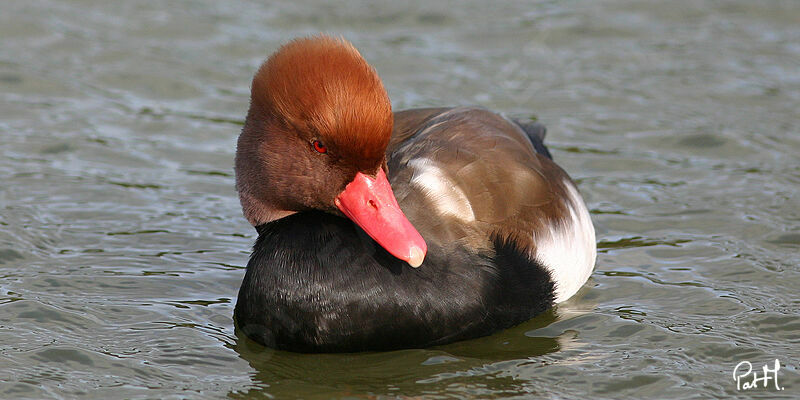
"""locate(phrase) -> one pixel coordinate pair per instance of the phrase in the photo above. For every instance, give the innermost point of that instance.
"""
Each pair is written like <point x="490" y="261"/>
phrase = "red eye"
<point x="319" y="147"/>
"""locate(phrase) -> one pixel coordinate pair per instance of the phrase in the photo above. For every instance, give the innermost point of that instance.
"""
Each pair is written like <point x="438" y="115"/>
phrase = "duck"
<point x="381" y="230"/>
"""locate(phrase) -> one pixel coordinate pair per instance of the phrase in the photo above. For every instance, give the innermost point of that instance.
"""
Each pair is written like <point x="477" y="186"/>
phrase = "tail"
<point x="536" y="133"/>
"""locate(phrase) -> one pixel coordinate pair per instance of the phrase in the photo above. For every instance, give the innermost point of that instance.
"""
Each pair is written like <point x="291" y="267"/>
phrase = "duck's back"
<point x="462" y="175"/>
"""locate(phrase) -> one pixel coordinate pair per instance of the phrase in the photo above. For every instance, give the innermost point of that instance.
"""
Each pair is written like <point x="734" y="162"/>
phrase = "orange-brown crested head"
<point x="315" y="138"/>
<point x="321" y="85"/>
<point x="318" y="116"/>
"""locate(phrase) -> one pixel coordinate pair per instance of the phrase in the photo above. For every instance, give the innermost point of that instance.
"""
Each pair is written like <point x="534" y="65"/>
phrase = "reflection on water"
<point x="122" y="243"/>
<point x="480" y="363"/>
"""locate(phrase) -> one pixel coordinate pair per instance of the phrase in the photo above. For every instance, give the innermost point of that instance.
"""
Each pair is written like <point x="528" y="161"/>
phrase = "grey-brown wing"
<point x="466" y="173"/>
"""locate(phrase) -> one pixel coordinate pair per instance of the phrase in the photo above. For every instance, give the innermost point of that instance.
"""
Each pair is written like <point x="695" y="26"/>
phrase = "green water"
<point x="122" y="244"/>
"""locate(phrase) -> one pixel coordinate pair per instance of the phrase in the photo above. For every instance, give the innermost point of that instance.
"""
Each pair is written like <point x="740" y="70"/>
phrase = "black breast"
<point x="317" y="283"/>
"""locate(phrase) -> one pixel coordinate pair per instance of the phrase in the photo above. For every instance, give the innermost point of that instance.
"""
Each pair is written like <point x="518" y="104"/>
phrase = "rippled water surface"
<point x="122" y="244"/>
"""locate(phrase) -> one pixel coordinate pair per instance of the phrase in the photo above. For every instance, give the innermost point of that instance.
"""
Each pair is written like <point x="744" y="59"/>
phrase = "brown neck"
<point x="258" y="212"/>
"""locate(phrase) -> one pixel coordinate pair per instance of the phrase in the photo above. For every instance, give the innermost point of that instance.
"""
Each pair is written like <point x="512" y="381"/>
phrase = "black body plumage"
<point x="317" y="283"/>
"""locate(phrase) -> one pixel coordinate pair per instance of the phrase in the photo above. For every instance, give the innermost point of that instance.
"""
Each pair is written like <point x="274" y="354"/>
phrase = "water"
<point x="122" y="242"/>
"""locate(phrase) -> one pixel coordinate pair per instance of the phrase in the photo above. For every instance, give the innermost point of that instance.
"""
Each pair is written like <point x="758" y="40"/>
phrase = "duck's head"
<point x="315" y="138"/>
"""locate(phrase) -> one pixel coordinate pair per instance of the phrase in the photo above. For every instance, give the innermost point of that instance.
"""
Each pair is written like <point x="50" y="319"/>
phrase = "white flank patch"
<point x="569" y="250"/>
<point x="448" y="198"/>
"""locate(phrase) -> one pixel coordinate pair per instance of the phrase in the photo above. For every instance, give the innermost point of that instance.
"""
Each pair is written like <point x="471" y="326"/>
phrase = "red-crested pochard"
<point x="381" y="230"/>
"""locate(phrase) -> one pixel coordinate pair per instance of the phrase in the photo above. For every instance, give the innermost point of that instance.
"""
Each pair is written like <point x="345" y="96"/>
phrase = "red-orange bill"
<point x="370" y="203"/>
